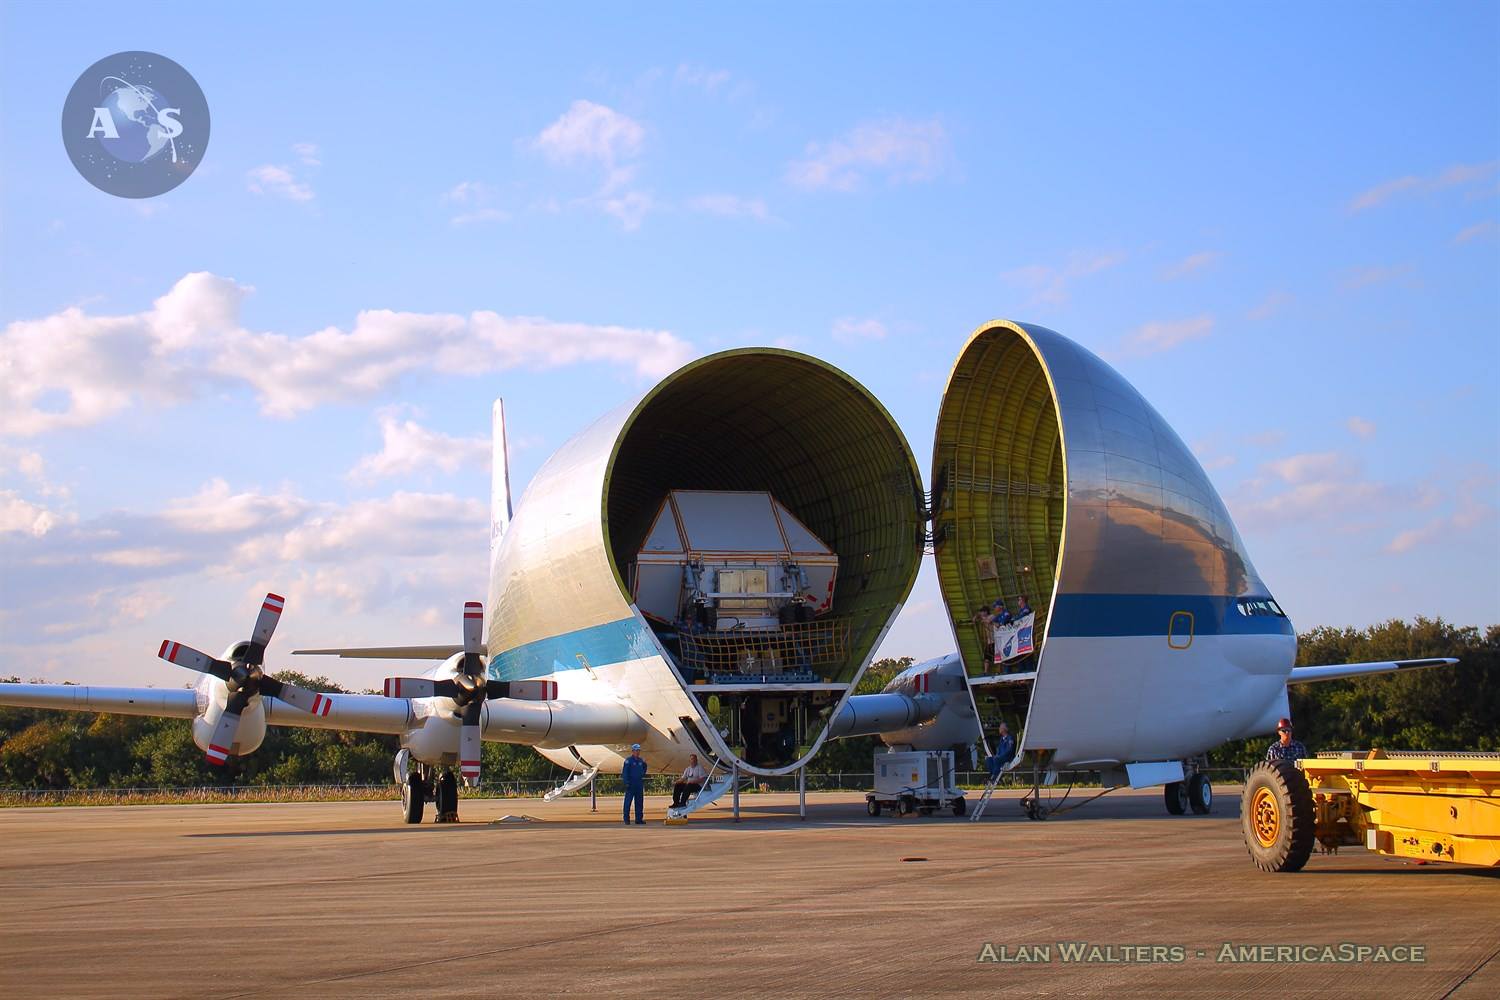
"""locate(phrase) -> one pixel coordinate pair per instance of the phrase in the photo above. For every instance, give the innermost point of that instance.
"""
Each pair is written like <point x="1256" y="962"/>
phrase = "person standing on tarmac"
<point x="634" y="776"/>
<point x="1285" y="748"/>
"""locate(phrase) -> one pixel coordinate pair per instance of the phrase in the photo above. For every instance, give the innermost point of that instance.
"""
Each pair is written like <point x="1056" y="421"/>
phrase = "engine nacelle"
<point x="212" y="696"/>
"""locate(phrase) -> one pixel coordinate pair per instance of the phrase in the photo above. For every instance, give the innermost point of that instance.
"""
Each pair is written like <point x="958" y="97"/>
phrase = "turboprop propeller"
<point x="468" y="688"/>
<point x="244" y="676"/>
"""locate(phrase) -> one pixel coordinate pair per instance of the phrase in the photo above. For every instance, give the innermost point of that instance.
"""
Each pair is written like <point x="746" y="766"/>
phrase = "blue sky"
<point x="1282" y="223"/>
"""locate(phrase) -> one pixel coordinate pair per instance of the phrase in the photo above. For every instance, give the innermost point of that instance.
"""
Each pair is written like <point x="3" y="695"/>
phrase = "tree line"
<point x="1446" y="708"/>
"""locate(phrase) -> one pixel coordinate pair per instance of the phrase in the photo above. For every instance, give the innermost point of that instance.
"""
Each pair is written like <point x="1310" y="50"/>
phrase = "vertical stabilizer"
<point x="500" y="507"/>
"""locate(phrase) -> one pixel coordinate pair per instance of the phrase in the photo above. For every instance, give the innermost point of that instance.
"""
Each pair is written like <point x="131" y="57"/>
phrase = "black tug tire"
<point x="906" y="805"/>
<point x="1200" y="794"/>
<point x="413" y="796"/>
<point x="1278" y="816"/>
<point x="1176" y="795"/>
<point x="960" y="806"/>
<point x="872" y="807"/>
<point x="447" y="794"/>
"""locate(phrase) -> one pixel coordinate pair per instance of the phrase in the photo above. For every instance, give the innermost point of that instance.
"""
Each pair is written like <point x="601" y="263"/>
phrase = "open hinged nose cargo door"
<point x="999" y="497"/>
<point x="1054" y="480"/>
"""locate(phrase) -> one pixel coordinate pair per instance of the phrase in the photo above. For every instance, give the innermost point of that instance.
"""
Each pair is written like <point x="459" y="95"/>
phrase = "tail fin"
<point x="500" y="506"/>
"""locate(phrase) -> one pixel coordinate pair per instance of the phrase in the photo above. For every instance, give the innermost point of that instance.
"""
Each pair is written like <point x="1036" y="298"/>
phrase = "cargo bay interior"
<point x="765" y="513"/>
<point x="998" y="498"/>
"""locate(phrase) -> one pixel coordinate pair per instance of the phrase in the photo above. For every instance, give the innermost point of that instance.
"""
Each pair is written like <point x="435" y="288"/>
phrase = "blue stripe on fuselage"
<point x="1098" y="615"/>
<point x="600" y="645"/>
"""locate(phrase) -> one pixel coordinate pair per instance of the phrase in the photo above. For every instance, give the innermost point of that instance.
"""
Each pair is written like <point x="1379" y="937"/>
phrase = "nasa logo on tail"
<point x="135" y="124"/>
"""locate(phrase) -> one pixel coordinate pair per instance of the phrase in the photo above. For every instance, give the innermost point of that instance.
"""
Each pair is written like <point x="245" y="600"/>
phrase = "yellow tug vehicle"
<point x="1414" y="804"/>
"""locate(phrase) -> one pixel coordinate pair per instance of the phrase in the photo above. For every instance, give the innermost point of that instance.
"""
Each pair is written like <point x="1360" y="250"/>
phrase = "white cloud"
<point x="710" y="81"/>
<point x="1153" y="338"/>
<point x="216" y="510"/>
<point x="278" y="182"/>
<point x="1048" y="285"/>
<point x="408" y="447"/>
<point x="476" y="198"/>
<point x="898" y="150"/>
<point x="73" y="369"/>
<point x="480" y="215"/>
<point x="1314" y="488"/>
<point x="1191" y="264"/>
<point x="308" y="153"/>
<point x="848" y="330"/>
<point x="20" y="515"/>
<point x="731" y="206"/>
<point x="1470" y="510"/>
<point x="629" y="207"/>
<point x="1269" y="306"/>
<point x="1311" y="467"/>
<point x="1362" y="277"/>
<point x="1360" y="427"/>
<point x="469" y="192"/>
<point x="1477" y="231"/>
<point x="408" y="549"/>
<point x="589" y="132"/>
<point x="1455" y="176"/>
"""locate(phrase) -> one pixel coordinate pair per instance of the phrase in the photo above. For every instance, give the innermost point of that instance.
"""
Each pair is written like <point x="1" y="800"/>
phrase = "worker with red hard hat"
<point x="1285" y="748"/>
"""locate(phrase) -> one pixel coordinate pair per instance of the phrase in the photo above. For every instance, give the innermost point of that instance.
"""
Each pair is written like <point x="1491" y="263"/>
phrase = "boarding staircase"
<point x="572" y="784"/>
<point x="984" y="798"/>
<point x="713" y="789"/>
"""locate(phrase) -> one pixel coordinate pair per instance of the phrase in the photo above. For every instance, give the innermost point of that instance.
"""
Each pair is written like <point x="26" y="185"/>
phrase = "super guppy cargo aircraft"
<point x="710" y="569"/>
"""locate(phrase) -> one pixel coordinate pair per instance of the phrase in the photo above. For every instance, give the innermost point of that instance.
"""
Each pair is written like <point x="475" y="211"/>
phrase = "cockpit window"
<point x="1259" y="607"/>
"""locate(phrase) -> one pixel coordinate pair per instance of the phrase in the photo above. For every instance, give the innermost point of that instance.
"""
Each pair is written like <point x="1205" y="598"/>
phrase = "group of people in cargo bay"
<point x="997" y="623"/>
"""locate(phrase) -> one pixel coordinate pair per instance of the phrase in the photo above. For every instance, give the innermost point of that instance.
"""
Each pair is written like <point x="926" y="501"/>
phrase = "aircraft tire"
<point x="1200" y="794"/>
<point x="447" y="796"/>
<point x="1176" y="795"/>
<point x="1277" y="816"/>
<point x="413" y="796"/>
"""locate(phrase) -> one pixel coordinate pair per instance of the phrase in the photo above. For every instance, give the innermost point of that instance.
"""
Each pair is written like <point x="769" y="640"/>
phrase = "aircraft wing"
<point x="1339" y="671"/>
<point x="366" y="713"/>
<point x="170" y="703"/>
<point x="439" y="652"/>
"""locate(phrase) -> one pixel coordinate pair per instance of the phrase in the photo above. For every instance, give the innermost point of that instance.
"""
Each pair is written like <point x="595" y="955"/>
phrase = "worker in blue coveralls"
<point x="634" y="776"/>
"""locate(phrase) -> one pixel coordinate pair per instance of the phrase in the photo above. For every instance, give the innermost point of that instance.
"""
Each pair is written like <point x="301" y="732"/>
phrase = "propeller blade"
<point x="419" y="687"/>
<point x="497" y="689"/>
<point x="227" y="729"/>
<point x="187" y="656"/>
<point x="473" y="628"/>
<point x="310" y="702"/>
<point x="469" y="744"/>
<point x="265" y="627"/>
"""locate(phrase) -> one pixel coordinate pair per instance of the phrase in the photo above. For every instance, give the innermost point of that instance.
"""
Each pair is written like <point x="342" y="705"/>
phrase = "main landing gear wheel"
<point x="1176" y="794"/>
<point x="1277" y="816"/>
<point x="960" y="807"/>
<point x="447" y="798"/>
<point x="1200" y="794"/>
<point x="413" y="796"/>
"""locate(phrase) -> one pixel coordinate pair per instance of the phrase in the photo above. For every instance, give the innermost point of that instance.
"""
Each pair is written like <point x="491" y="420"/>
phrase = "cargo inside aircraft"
<point x="766" y="517"/>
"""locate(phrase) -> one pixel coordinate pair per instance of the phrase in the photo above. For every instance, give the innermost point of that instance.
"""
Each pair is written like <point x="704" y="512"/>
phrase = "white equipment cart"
<point x="921" y="781"/>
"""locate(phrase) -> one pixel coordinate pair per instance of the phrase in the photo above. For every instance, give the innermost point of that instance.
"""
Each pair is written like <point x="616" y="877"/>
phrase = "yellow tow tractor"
<point x="1425" y="806"/>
